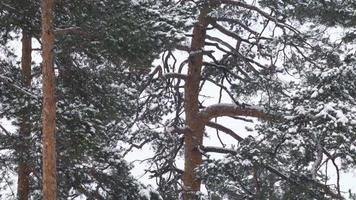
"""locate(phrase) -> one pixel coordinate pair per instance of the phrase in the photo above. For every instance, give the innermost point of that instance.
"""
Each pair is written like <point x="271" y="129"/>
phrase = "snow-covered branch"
<point x="10" y="82"/>
<point x="221" y="110"/>
<point x="300" y="181"/>
<point x="266" y="15"/>
<point x="71" y="30"/>
<point x="217" y="150"/>
<point x="174" y="75"/>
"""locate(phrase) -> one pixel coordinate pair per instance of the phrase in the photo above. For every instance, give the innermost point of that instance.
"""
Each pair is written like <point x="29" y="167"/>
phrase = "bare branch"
<point x="228" y="32"/>
<point x="5" y="131"/>
<point x="10" y="7"/>
<point x="225" y="130"/>
<point x="332" y="158"/>
<point x="318" y="161"/>
<point x="235" y="52"/>
<point x="216" y="45"/>
<point x="242" y="119"/>
<point x="223" y="88"/>
<point x="221" y="42"/>
<point x="137" y="146"/>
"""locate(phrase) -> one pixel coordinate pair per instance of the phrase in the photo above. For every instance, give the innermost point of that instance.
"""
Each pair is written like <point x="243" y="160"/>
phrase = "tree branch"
<point x="217" y="150"/>
<point x="174" y="75"/>
<point x="221" y="110"/>
<point x="10" y="82"/>
<point x="71" y="30"/>
<point x="332" y="158"/>
<point x="226" y="19"/>
<point x="278" y="22"/>
<point x="228" y="32"/>
<point x="221" y="86"/>
<point x="5" y="131"/>
<point x="299" y="181"/>
<point x="225" y="130"/>
<point x="228" y="71"/>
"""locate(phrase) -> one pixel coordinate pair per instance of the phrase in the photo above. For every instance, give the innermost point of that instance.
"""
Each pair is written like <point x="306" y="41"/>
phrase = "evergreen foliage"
<point x="100" y="47"/>
<point x="278" y="63"/>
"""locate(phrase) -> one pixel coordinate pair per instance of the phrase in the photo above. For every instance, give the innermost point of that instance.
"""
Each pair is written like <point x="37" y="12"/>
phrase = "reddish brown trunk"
<point x="26" y="58"/>
<point x="25" y="128"/>
<point x="49" y="103"/>
<point x="194" y="138"/>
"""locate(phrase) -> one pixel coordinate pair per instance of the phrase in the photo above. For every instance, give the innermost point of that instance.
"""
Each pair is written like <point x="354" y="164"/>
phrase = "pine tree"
<point x="274" y="67"/>
<point x="49" y="103"/>
<point x="265" y="47"/>
<point x="96" y="91"/>
<point x="25" y="127"/>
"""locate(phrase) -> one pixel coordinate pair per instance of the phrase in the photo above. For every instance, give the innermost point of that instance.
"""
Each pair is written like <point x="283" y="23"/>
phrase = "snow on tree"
<point x="98" y="78"/>
<point x="274" y="68"/>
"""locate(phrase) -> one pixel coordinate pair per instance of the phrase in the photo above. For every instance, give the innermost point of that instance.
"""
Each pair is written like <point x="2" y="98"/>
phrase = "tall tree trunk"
<point x="25" y="128"/>
<point x="194" y="138"/>
<point x="49" y="103"/>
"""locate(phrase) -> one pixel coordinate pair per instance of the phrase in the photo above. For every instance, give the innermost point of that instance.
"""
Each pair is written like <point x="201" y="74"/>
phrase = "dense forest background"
<point x="86" y="83"/>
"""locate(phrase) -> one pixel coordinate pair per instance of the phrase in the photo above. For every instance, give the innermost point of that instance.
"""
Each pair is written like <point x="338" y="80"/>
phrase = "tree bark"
<point x="49" y="103"/>
<point x="194" y="138"/>
<point x="25" y="127"/>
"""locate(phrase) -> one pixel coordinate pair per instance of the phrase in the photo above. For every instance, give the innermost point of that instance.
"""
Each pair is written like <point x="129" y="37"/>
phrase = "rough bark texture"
<point x="49" y="103"/>
<point x="25" y="127"/>
<point x="194" y="138"/>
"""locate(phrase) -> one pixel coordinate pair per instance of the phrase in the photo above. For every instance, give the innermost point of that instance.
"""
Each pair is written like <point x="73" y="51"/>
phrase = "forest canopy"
<point x="234" y="99"/>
